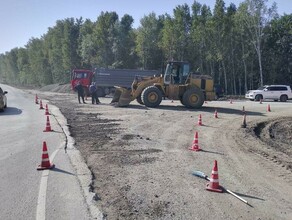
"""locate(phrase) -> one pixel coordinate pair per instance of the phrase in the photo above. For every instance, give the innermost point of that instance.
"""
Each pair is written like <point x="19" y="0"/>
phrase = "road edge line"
<point x="42" y="195"/>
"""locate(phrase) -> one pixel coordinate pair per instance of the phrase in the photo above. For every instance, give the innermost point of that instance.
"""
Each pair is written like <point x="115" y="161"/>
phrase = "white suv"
<point x="274" y="92"/>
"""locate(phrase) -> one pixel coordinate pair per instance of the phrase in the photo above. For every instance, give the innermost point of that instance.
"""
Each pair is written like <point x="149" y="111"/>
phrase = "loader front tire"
<point x="151" y="96"/>
<point x="139" y="100"/>
<point x="193" y="98"/>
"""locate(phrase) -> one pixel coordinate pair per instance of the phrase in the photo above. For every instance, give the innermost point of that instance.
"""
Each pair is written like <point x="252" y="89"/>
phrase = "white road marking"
<point x="41" y="205"/>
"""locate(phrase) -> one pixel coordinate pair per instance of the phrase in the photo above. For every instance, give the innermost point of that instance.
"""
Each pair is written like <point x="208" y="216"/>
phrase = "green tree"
<point x="104" y="33"/>
<point x="182" y="27"/>
<point x="277" y="50"/>
<point x="256" y="15"/>
<point x="23" y="65"/>
<point x="70" y="53"/>
<point x="11" y="66"/>
<point x="124" y="44"/>
<point x="147" y="42"/>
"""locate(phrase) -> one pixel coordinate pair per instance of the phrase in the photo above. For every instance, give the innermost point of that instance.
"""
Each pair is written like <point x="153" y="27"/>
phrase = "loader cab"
<point x="176" y="72"/>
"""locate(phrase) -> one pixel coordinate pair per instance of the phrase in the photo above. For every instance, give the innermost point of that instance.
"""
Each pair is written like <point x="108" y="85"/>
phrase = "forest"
<point x="241" y="48"/>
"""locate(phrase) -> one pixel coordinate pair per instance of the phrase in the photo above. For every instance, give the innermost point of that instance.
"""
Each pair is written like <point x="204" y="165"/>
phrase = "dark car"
<point x="3" y="100"/>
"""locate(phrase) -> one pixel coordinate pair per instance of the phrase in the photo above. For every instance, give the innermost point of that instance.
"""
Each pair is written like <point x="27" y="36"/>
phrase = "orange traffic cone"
<point x="200" y="120"/>
<point x="41" y="105"/>
<point x="45" y="159"/>
<point x="243" y="125"/>
<point x="269" y="108"/>
<point x="36" y="99"/>
<point x="47" y="110"/>
<point x="213" y="185"/>
<point x="48" y="125"/>
<point x="215" y="114"/>
<point x="195" y="145"/>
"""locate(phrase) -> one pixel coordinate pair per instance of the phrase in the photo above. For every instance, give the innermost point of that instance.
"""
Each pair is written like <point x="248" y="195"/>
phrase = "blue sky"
<point x="21" y="20"/>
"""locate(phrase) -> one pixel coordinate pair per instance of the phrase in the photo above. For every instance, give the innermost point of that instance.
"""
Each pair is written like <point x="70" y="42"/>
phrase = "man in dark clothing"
<point x="93" y="92"/>
<point x="80" y="91"/>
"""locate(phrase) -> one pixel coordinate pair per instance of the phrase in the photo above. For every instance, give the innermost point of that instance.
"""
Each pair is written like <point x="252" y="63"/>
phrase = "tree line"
<point x="241" y="48"/>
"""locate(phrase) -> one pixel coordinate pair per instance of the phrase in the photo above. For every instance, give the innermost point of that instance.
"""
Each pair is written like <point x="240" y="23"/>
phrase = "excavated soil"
<point x="142" y="165"/>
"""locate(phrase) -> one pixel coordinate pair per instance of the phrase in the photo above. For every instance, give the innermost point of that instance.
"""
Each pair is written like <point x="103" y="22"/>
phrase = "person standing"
<point x="93" y="93"/>
<point x="80" y="91"/>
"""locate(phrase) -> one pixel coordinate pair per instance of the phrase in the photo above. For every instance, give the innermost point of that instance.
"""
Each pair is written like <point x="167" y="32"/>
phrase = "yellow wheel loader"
<point x="177" y="83"/>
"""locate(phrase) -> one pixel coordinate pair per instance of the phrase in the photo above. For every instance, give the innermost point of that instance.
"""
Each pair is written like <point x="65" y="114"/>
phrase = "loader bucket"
<point x="122" y="96"/>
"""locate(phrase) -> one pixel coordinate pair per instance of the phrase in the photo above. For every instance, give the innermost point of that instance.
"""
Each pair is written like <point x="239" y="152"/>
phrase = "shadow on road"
<point x="202" y="109"/>
<point x="212" y="152"/>
<point x="248" y="196"/>
<point x="11" y="111"/>
<point x="62" y="171"/>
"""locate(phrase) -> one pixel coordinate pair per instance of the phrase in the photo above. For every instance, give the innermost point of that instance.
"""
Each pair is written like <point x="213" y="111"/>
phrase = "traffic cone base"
<point x="45" y="159"/>
<point x="195" y="148"/>
<point x="51" y="166"/>
<point x="213" y="185"/>
<point x="210" y="188"/>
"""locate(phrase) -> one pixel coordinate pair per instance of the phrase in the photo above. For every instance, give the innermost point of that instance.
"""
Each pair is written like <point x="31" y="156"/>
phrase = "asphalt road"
<point x="26" y="193"/>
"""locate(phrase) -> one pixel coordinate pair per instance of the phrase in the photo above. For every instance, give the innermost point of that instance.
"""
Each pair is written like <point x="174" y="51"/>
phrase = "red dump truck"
<point x="106" y="79"/>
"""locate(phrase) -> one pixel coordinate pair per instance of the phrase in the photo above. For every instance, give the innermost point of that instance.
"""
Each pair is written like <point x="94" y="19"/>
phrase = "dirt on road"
<point x="142" y="165"/>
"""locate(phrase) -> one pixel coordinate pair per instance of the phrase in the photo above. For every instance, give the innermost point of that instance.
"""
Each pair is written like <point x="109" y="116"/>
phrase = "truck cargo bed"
<point x="120" y="77"/>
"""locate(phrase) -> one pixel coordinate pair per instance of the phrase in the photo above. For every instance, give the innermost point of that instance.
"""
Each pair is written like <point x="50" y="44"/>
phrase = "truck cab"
<point x="83" y="76"/>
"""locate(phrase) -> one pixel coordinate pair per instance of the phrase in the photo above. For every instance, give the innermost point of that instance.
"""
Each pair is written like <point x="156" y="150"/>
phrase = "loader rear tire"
<point x="193" y="98"/>
<point x="151" y="96"/>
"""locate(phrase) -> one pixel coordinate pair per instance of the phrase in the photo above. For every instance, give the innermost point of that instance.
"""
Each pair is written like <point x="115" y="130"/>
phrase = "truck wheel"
<point x="258" y="98"/>
<point x="86" y="91"/>
<point x="151" y="96"/>
<point x="193" y="98"/>
<point x="100" y="92"/>
<point x="107" y="91"/>
<point x="139" y="100"/>
<point x="283" y="98"/>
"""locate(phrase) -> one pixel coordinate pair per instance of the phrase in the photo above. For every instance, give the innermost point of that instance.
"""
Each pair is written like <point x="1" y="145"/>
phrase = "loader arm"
<point x="124" y="96"/>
